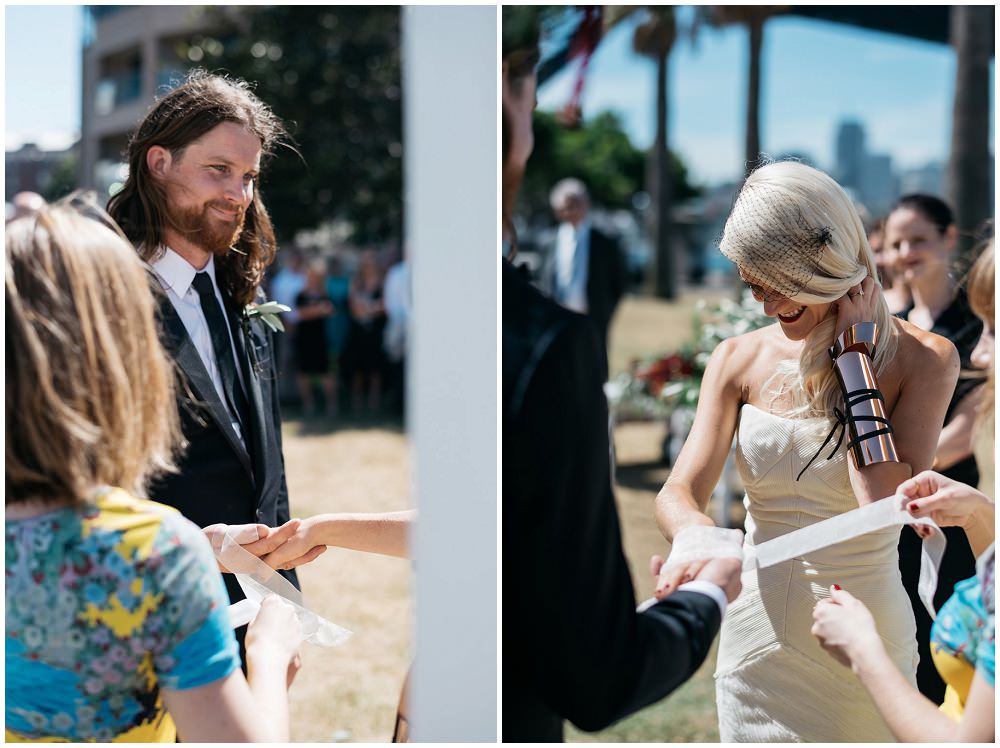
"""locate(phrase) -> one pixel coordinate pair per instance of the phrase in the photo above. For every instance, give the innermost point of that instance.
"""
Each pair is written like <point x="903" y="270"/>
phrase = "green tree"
<point x="64" y="178"/>
<point x="598" y="152"/>
<point x="333" y="74"/>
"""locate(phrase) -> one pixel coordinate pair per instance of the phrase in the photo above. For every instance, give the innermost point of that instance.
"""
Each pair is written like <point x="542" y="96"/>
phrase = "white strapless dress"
<point x="773" y="681"/>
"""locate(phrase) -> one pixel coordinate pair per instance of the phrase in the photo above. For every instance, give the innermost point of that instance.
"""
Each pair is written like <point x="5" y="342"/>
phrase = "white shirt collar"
<point x="177" y="273"/>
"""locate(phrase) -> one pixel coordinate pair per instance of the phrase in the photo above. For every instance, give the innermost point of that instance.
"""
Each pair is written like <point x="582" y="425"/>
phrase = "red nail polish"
<point x="912" y="507"/>
<point x="837" y="587"/>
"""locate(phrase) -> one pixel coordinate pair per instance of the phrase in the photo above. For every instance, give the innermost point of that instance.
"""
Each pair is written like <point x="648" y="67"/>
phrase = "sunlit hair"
<point x="981" y="292"/>
<point x="844" y="260"/>
<point x="188" y="112"/>
<point x="90" y="390"/>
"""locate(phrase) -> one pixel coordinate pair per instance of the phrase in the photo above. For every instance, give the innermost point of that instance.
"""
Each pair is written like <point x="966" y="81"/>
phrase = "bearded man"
<point x="192" y="207"/>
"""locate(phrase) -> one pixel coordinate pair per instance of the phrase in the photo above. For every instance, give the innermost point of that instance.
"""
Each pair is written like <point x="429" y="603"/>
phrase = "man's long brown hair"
<point x="182" y="116"/>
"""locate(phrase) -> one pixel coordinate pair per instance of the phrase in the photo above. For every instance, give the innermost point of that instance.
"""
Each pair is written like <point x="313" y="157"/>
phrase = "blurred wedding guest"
<point x="285" y="287"/>
<point x="27" y="204"/>
<point x="894" y="290"/>
<point x="313" y="307"/>
<point x="921" y="230"/>
<point x="338" y="325"/>
<point x="116" y="622"/>
<point x="364" y="341"/>
<point x="585" y="269"/>
<point x="574" y="646"/>
<point x="397" y="311"/>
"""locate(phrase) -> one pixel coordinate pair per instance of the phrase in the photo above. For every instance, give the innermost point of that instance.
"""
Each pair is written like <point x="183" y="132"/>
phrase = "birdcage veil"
<point x="778" y="252"/>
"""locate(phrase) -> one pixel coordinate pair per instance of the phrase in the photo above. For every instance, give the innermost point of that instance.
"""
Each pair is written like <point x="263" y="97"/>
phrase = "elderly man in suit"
<point x="192" y="208"/>
<point x="585" y="269"/>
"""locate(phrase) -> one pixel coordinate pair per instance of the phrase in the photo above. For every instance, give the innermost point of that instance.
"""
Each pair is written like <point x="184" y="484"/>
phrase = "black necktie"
<point x="218" y="329"/>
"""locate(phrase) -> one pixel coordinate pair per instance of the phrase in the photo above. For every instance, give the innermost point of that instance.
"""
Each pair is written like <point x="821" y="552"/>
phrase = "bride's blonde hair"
<point x="795" y="230"/>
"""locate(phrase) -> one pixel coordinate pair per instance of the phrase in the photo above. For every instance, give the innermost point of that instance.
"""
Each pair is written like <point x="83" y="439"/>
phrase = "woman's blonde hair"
<point x="90" y="390"/>
<point x="795" y="229"/>
<point x="981" y="292"/>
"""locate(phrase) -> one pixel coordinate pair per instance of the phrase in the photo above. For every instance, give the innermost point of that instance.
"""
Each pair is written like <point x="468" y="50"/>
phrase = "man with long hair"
<point x="192" y="208"/>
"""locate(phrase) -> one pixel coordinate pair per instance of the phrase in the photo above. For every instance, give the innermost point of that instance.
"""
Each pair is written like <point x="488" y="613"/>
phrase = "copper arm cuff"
<point x="861" y="337"/>
<point x="871" y="435"/>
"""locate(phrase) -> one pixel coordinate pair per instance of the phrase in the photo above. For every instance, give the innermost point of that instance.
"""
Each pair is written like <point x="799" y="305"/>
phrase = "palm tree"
<point x="969" y="165"/>
<point x="654" y="38"/>
<point x="753" y="17"/>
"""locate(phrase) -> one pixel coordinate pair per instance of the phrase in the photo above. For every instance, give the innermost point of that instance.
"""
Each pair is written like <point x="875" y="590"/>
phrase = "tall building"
<point x="878" y="185"/>
<point x="130" y="52"/>
<point x="928" y="179"/>
<point x="850" y="154"/>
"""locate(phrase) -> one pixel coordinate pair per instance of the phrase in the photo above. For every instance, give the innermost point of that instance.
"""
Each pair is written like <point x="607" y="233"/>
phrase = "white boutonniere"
<point x="268" y="312"/>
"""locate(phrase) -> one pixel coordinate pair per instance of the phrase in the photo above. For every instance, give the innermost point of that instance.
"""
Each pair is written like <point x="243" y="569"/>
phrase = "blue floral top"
<point x="107" y="603"/>
<point x="962" y="638"/>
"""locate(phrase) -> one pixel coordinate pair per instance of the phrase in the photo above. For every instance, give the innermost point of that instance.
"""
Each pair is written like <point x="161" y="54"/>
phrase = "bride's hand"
<point x="668" y="579"/>
<point x="845" y="627"/>
<point x="857" y="305"/>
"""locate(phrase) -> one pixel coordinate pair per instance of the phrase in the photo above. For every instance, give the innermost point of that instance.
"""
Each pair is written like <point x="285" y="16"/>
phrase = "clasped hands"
<point x="282" y="547"/>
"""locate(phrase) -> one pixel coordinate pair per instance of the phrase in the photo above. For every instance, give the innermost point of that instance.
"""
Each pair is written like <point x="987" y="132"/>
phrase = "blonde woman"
<point x="786" y="392"/>
<point x="962" y="639"/>
<point x="115" y="611"/>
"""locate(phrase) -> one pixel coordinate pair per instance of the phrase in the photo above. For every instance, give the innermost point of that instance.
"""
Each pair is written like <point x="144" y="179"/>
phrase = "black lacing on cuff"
<point x="853" y="398"/>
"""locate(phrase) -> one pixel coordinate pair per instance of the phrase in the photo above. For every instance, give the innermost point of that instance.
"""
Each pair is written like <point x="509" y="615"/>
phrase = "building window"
<point x="120" y="81"/>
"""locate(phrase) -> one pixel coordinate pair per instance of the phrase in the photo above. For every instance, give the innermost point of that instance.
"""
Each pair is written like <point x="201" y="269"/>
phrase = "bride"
<point x="799" y="244"/>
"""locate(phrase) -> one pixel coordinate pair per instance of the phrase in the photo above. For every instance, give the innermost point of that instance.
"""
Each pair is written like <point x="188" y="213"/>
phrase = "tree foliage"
<point x="600" y="154"/>
<point x="332" y="73"/>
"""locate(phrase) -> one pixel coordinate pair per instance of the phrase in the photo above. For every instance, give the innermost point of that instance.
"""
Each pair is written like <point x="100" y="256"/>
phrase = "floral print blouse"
<point x="108" y="602"/>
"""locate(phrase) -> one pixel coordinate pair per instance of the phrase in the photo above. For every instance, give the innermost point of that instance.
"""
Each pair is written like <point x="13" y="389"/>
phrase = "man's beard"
<point x="206" y="229"/>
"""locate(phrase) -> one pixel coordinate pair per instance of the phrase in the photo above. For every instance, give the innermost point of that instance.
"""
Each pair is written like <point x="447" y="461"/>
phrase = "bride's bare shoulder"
<point x="924" y="352"/>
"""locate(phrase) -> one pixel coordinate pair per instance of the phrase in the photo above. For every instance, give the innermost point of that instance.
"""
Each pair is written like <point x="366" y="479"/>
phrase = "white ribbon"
<point x="878" y="515"/>
<point x="258" y="580"/>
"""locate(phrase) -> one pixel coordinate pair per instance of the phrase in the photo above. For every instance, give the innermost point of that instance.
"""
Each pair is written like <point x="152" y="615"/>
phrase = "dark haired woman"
<point x="921" y="231"/>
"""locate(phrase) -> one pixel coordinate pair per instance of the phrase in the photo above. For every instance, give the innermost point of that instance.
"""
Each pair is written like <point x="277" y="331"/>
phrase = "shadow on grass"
<point x="642" y="476"/>
<point x="324" y="425"/>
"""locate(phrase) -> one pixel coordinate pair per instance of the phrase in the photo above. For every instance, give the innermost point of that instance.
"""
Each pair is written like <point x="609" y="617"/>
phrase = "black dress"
<point x="961" y="326"/>
<point x="364" y="340"/>
<point x="310" y="337"/>
<point x="573" y="646"/>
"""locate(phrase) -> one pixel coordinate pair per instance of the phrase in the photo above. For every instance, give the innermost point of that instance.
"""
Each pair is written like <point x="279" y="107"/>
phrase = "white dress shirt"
<point x="177" y="277"/>
<point x="572" y="257"/>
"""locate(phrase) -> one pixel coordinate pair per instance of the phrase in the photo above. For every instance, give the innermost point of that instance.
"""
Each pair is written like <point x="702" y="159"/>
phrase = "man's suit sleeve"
<point x="598" y="659"/>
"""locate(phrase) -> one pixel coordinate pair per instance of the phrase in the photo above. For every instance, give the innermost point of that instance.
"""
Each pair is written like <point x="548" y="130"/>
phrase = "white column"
<point x="450" y="97"/>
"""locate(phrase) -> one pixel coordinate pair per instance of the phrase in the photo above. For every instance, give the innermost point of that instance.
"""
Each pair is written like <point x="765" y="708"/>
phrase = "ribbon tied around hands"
<point x="258" y="580"/>
<point x="700" y="543"/>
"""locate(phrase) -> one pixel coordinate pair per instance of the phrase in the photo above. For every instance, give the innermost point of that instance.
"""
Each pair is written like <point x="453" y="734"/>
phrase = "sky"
<point x="42" y="56"/>
<point x="814" y="75"/>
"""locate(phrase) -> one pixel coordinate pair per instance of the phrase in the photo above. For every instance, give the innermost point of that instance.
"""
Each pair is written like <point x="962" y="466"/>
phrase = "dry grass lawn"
<point x="350" y="692"/>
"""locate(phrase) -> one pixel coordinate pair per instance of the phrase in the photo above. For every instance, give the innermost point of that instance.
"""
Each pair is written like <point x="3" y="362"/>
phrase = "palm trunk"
<point x="756" y="27"/>
<point x="666" y="266"/>
<point x="968" y="184"/>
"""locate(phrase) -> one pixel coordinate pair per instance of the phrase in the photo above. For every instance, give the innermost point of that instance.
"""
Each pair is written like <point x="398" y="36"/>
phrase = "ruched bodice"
<point x="770" y="452"/>
<point x="773" y="681"/>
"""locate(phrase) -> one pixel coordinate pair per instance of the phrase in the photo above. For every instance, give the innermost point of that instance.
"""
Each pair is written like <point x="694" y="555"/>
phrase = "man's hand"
<point x="297" y="548"/>
<point x="845" y="628"/>
<point x="722" y="572"/>
<point x="256" y="539"/>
